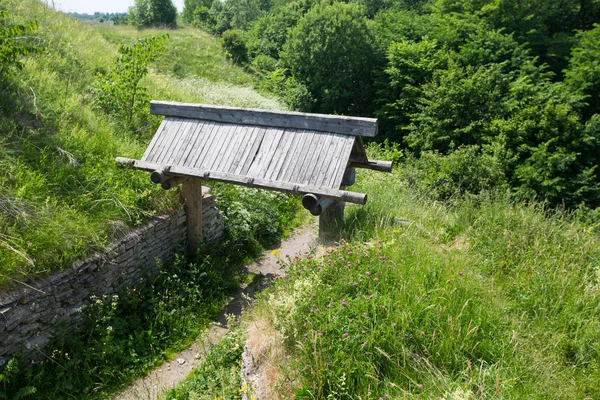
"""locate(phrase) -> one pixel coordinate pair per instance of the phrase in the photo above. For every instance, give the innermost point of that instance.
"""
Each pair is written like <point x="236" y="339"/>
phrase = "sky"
<point x="91" y="6"/>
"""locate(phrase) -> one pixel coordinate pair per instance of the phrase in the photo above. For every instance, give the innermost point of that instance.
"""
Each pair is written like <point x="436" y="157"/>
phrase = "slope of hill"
<point x="61" y="194"/>
<point x="484" y="298"/>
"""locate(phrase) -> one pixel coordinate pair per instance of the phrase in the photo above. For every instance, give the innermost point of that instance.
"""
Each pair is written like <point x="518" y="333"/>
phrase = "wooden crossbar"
<point x="174" y="170"/>
<point x="354" y="126"/>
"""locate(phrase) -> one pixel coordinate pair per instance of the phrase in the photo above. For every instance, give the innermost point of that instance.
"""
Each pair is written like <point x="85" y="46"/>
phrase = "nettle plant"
<point x="118" y="92"/>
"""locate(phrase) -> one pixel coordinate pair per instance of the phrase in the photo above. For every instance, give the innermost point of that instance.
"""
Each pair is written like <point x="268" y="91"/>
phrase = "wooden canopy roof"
<point x="286" y="151"/>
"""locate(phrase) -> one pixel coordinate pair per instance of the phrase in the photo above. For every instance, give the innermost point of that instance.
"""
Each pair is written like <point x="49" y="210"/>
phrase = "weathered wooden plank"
<point x="172" y="182"/>
<point x="310" y="150"/>
<point x="199" y="136"/>
<point x="166" y="144"/>
<point x="154" y="155"/>
<point x="376" y="165"/>
<point x="176" y="170"/>
<point x="313" y="163"/>
<point x="218" y="148"/>
<point x="340" y="167"/>
<point x="238" y="162"/>
<point x="356" y="126"/>
<point x="324" y="169"/>
<point x="204" y="148"/>
<point x="293" y="157"/>
<point x="156" y="138"/>
<point x="262" y="152"/>
<point x="228" y="150"/>
<point x="270" y="153"/>
<point x="185" y="145"/>
<point x="280" y="154"/>
<point x="237" y="139"/>
<point x="332" y="165"/>
<point x="253" y="151"/>
<point x="358" y="150"/>
<point x="181" y="137"/>
<point x="191" y="192"/>
<point x="305" y="153"/>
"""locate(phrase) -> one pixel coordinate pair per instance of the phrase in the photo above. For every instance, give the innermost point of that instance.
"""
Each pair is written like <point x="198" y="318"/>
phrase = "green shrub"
<point x="234" y="46"/>
<point x="119" y="92"/>
<point x="466" y="171"/>
<point x="295" y="95"/>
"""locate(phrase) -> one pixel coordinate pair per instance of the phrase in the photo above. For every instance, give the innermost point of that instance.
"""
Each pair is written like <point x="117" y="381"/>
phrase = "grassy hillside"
<point x="484" y="298"/>
<point x="61" y="195"/>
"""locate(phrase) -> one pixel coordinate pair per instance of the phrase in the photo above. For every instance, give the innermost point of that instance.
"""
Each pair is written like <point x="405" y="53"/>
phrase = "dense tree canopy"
<point x="512" y="81"/>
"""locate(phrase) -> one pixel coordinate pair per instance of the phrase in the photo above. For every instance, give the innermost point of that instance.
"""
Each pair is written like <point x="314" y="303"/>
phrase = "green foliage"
<point x="219" y="374"/>
<point x="583" y="73"/>
<point x="127" y="334"/>
<point x="119" y="92"/>
<point x="7" y="378"/>
<point x="149" y="13"/>
<point x="466" y="171"/>
<point x="480" y="299"/>
<point x="456" y="106"/>
<point x="295" y="95"/>
<point x="268" y="34"/>
<point x="410" y="65"/>
<point x="16" y="40"/>
<point x="256" y="219"/>
<point x="331" y="52"/>
<point x="190" y="8"/>
<point x="62" y="196"/>
<point x="234" y="46"/>
<point x="362" y="325"/>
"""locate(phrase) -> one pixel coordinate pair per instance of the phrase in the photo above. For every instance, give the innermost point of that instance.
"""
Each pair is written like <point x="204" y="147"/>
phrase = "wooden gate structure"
<point x="309" y="154"/>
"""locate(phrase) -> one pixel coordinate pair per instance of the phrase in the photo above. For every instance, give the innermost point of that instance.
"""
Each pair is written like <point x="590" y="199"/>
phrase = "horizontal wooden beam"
<point x="355" y="126"/>
<point x="174" y="170"/>
<point x="376" y="165"/>
<point x="172" y="182"/>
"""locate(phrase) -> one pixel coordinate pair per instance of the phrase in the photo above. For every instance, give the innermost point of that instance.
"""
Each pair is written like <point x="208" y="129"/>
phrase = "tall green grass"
<point x="484" y="298"/>
<point x="61" y="194"/>
<point x="191" y="53"/>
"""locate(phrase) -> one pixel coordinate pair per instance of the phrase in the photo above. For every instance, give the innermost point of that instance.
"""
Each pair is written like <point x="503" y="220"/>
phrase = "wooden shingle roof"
<point x="293" y="152"/>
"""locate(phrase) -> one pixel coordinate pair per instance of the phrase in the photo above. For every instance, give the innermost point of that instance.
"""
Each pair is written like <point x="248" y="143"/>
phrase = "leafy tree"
<point x="190" y="7"/>
<point x="293" y="93"/>
<point x="545" y="25"/>
<point x="456" y="107"/>
<point x="148" y="13"/>
<point x="269" y="33"/>
<point x="583" y="74"/>
<point x="331" y="51"/>
<point x="220" y="17"/>
<point x="410" y="65"/>
<point x="119" y="92"/>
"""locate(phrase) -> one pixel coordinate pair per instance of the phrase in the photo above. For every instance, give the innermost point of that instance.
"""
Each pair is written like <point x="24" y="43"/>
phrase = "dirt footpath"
<point x="154" y="385"/>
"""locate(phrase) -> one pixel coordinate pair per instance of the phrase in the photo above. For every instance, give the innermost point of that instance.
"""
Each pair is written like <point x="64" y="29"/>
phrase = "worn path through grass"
<point x="156" y="383"/>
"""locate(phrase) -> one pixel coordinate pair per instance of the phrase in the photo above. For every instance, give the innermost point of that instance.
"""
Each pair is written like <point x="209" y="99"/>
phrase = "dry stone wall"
<point x="32" y="314"/>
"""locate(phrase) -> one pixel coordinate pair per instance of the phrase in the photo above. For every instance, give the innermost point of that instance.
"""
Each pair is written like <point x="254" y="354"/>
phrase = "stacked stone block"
<point x="30" y="315"/>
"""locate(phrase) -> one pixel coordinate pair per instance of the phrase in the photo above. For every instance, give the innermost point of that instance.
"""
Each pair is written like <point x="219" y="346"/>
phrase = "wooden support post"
<point x="330" y="222"/>
<point x="191" y="194"/>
